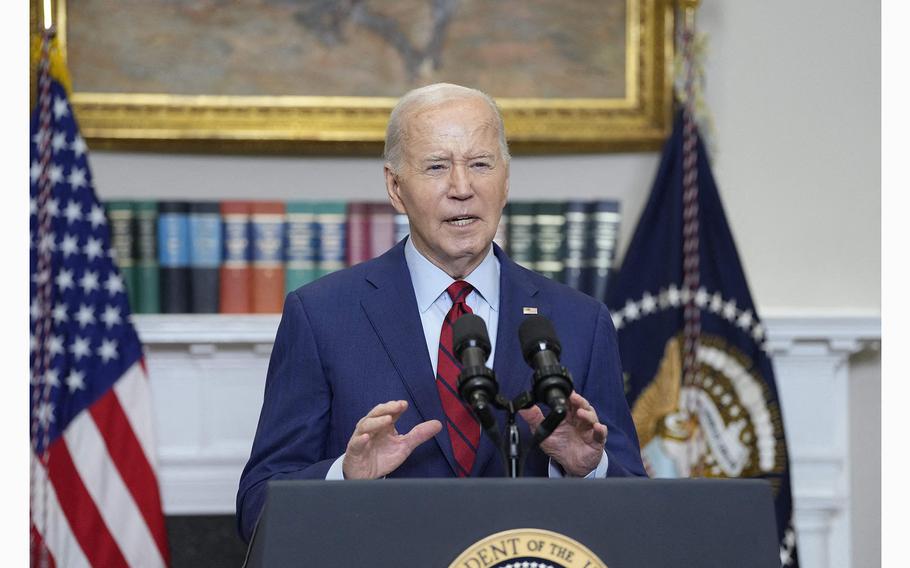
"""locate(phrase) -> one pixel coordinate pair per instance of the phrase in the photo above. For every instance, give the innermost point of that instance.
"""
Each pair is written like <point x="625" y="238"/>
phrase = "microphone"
<point x="476" y="383"/>
<point x="552" y="383"/>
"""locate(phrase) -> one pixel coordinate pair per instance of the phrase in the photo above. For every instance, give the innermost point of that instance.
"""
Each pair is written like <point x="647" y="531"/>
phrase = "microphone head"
<point x="470" y="331"/>
<point x="533" y="331"/>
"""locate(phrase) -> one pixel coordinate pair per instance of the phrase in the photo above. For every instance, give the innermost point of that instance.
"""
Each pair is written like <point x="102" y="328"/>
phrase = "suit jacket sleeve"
<point x="604" y="389"/>
<point x="290" y="441"/>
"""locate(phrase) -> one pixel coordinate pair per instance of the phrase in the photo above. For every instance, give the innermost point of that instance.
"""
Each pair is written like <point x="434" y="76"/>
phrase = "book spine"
<point x="382" y="228"/>
<point x="331" y="229"/>
<point x="236" y="297"/>
<point x="521" y="233"/>
<point x="267" y="223"/>
<point x="358" y="233"/>
<point x="550" y="225"/>
<point x="300" y="256"/>
<point x="605" y="229"/>
<point x="122" y="220"/>
<point x="576" y="240"/>
<point x="205" y="256"/>
<point x="174" y="256"/>
<point x="148" y="287"/>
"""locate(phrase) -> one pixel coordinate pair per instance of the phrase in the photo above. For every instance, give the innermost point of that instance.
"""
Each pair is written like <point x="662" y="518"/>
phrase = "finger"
<point x="585" y="417"/>
<point x="373" y="424"/>
<point x="600" y="433"/>
<point x="358" y="443"/>
<point x="421" y="433"/>
<point x="533" y="416"/>
<point x="577" y="401"/>
<point x="393" y="407"/>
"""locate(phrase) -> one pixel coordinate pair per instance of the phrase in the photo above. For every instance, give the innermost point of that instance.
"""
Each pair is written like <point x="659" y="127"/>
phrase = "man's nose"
<point x="460" y="183"/>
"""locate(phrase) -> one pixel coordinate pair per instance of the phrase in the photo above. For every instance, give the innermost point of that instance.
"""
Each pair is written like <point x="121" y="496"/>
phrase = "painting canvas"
<point x="332" y="68"/>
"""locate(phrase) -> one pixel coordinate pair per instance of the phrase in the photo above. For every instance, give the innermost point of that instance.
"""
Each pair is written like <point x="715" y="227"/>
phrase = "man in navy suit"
<point x="351" y="390"/>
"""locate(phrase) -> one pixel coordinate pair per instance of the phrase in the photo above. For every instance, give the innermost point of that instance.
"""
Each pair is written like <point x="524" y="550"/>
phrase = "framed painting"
<point x="320" y="76"/>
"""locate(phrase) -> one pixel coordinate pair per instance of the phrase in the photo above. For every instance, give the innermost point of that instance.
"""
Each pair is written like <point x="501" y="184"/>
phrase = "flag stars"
<point x="701" y="298"/>
<point x="114" y="284"/>
<point x="58" y="142"/>
<point x="648" y="304"/>
<point x="96" y="217"/>
<point x="85" y="316"/>
<point x="52" y="378"/>
<point x="108" y="350"/>
<point x="34" y="172"/>
<point x="61" y="108"/>
<point x="77" y="178"/>
<point x="729" y="310"/>
<point x="41" y="277"/>
<point x="64" y="282"/>
<point x="35" y="309"/>
<point x="53" y="207"/>
<point x="60" y="315"/>
<point x="745" y="320"/>
<point x="673" y="297"/>
<point x="111" y="316"/>
<point x="78" y="146"/>
<point x="69" y="245"/>
<point x="55" y="174"/>
<point x="717" y="303"/>
<point x="75" y="380"/>
<point x="47" y="243"/>
<point x="630" y="311"/>
<point x="758" y="332"/>
<point x="73" y="212"/>
<point x="89" y="281"/>
<point x="33" y="206"/>
<point x="93" y="248"/>
<point x="55" y="345"/>
<point x="80" y="348"/>
<point x="45" y="413"/>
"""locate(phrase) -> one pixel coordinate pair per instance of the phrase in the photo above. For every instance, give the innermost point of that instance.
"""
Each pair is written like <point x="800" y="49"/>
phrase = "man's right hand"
<point x="376" y="448"/>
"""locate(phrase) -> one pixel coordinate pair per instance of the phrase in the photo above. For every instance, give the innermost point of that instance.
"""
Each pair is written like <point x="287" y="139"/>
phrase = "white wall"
<point x="794" y="88"/>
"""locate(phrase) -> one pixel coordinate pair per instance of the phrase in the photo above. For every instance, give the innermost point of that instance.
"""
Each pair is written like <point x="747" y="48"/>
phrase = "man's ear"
<point x="393" y="188"/>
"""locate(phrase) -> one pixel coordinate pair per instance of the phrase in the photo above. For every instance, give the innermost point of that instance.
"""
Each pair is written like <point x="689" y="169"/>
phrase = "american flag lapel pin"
<point x="529" y="311"/>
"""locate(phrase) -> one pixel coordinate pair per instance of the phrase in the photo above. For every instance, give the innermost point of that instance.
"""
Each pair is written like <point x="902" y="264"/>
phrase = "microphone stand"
<point x="511" y="446"/>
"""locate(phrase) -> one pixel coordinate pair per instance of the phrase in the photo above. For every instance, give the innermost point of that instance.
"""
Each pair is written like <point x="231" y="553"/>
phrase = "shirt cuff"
<point x="600" y="472"/>
<point x="336" y="472"/>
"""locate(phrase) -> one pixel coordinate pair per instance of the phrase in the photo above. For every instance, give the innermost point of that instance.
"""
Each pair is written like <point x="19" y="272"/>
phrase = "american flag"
<point x="94" y="493"/>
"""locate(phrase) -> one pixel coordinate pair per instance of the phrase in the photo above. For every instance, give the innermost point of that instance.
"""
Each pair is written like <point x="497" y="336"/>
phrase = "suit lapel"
<point x="392" y="311"/>
<point x="516" y="292"/>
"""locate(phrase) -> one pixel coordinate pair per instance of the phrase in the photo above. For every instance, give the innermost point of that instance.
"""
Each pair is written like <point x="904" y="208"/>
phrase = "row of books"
<point x="244" y="256"/>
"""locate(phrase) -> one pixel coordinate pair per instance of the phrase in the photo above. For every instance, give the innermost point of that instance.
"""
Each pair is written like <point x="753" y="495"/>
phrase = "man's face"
<point x="453" y="182"/>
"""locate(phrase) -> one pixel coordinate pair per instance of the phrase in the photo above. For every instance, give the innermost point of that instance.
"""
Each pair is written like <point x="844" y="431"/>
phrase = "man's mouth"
<point x="461" y="220"/>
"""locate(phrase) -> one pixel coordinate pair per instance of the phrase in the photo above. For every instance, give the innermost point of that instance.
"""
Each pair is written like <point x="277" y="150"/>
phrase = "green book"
<point x="521" y="234"/>
<point x="331" y="225"/>
<point x="550" y="238"/>
<point x="122" y="220"/>
<point x="300" y="253"/>
<point x="148" y="300"/>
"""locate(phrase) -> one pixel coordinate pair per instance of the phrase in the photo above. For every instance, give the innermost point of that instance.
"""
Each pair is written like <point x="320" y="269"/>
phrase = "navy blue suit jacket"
<point x="354" y="339"/>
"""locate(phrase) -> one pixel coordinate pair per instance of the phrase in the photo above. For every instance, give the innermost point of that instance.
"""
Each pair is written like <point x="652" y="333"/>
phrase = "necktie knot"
<point x="458" y="291"/>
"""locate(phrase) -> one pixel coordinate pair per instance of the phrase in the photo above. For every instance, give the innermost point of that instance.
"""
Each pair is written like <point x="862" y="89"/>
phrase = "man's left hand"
<point x="577" y="444"/>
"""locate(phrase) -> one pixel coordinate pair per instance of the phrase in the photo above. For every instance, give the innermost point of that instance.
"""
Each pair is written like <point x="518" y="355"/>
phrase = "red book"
<point x="358" y="233"/>
<point x="267" y="220"/>
<point x="382" y="228"/>
<point x="235" y="268"/>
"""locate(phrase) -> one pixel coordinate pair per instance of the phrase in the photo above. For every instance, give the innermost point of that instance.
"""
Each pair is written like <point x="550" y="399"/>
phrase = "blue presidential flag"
<point x="698" y="375"/>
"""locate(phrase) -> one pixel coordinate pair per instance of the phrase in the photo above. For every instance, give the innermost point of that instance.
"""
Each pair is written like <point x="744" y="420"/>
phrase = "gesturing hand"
<point x="577" y="443"/>
<point x="376" y="448"/>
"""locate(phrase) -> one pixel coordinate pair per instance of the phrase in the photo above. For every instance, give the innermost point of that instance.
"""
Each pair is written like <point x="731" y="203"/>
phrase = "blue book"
<point x="205" y="243"/>
<point x="301" y="241"/>
<point x="604" y="230"/>
<point x="174" y="256"/>
<point x="331" y="228"/>
<point x="577" y="219"/>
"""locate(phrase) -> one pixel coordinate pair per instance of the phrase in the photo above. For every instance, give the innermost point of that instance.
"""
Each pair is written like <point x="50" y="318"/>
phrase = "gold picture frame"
<point x="639" y="120"/>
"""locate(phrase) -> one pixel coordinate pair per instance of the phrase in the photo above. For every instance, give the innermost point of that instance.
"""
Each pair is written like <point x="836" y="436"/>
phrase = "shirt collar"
<point x="430" y="281"/>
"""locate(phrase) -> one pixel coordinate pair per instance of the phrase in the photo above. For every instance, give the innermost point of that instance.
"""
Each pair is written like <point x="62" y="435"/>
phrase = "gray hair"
<point x="428" y="96"/>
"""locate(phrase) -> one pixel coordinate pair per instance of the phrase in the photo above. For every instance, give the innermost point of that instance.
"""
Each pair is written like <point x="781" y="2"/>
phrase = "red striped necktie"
<point x="464" y="430"/>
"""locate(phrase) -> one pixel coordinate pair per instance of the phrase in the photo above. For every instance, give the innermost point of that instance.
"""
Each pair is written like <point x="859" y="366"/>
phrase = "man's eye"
<point x="435" y="167"/>
<point x="481" y="165"/>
